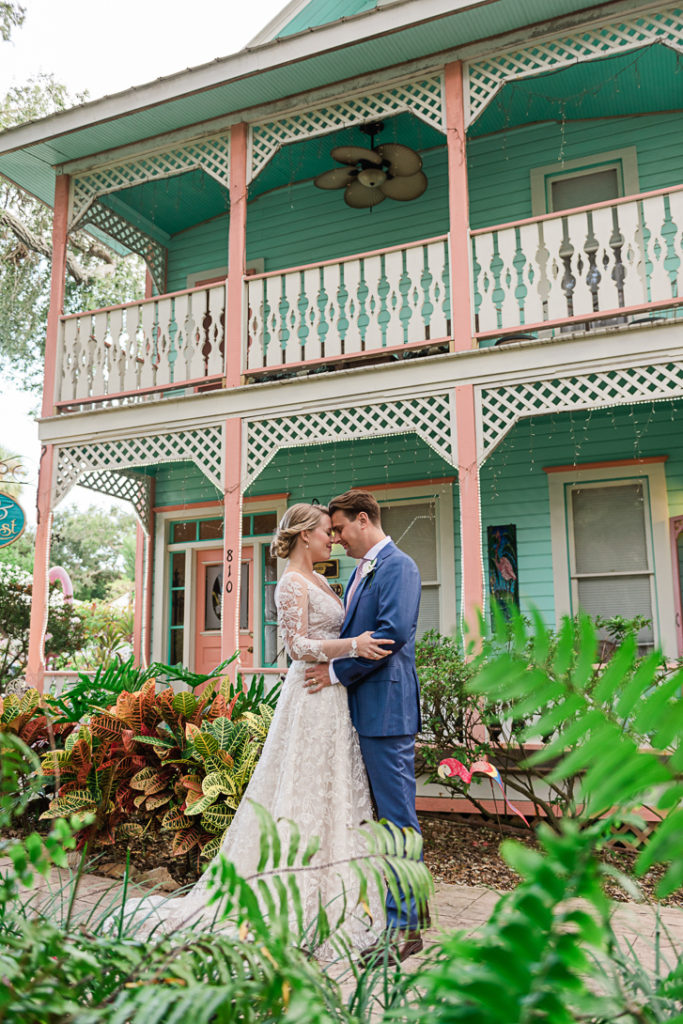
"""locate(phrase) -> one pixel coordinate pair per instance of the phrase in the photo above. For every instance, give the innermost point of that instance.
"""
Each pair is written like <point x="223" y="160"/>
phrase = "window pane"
<point x="580" y="189"/>
<point x="210" y="529"/>
<point x="413" y="529"/>
<point x="428" y="617"/>
<point x="622" y="595"/>
<point x="269" y="566"/>
<point x="177" y="607"/>
<point x="244" y="595"/>
<point x="176" y="652"/>
<point x="265" y="523"/>
<point x="609" y="528"/>
<point x="178" y="569"/>
<point x="246" y="526"/>
<point x="213" y="594"/>
<point x="270" y="609"/>
<point x="270" y="644"/>
<point x="184" y="532"/>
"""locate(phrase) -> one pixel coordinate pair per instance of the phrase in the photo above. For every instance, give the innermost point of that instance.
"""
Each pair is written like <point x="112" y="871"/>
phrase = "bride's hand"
<point x="369" y="646"/>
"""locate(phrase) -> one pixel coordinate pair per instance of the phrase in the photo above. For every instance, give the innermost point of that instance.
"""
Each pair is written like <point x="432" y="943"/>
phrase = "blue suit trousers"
<point x="390" y="764"/>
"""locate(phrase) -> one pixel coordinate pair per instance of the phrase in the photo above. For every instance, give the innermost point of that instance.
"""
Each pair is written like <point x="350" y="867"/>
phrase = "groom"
<point x="383" y="595"/>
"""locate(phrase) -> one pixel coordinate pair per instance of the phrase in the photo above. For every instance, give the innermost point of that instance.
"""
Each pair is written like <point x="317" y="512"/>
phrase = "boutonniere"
<point x="368" y="567"/>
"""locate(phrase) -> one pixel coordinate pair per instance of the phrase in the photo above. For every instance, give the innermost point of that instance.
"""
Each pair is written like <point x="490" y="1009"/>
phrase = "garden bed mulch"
<point x="457" y="851"/>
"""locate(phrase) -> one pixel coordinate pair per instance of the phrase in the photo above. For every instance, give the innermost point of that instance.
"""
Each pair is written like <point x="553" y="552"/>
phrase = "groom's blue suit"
<point x="384" y="698"/>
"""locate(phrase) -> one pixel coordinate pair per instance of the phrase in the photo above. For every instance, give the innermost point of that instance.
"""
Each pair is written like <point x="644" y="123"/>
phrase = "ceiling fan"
<point x="371" y="175"/>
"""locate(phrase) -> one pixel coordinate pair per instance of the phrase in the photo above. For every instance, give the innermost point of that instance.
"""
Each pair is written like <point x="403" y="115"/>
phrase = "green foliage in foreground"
<point x="548" y="953"/>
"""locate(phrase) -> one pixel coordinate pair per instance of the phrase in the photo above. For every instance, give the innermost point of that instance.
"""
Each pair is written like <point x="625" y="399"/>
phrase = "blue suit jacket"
<point x="384" y="697"/>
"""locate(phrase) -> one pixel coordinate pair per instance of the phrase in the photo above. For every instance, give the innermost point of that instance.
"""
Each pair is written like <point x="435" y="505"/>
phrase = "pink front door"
<point x="209" y="591"/>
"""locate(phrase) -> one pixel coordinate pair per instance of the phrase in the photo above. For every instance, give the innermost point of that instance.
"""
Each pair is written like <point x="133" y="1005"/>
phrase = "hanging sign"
<point x="12" y="520"/>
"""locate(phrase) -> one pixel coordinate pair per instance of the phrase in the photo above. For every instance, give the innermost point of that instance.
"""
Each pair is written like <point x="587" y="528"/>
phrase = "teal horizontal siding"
<point x="182" y="483"/>
<point x="514" y="486"/>
<point x="499" y="165"/>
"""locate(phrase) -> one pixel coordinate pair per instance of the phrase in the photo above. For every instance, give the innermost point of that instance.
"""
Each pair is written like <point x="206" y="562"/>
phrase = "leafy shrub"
<point x="185" y="756"/>
<point x="64" y="634"/>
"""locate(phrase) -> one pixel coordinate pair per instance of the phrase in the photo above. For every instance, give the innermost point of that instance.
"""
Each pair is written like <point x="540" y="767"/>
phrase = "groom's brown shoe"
<point x="401" y="945"/>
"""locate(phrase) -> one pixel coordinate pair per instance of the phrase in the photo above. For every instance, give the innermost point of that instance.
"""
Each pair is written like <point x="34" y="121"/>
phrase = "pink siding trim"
<point x="232" y="540"/>
<point x="35" y="671"/>
<point x="139" y="591"/>
<point x="237" y="259"/>
<point x="544" y="325"/>
<point x="608" y="463"/>
<point x="470" y="510"/>
<point x="578" y="209"/>
<point x="356" y="357"/>
<point x="57" y="285"/>
<point x="458" y="204"/>
<point x="345" y="259"/>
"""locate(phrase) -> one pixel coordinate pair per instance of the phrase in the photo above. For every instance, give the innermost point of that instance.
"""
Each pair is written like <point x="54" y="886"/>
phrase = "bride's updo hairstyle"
<point x="295" y="520"/>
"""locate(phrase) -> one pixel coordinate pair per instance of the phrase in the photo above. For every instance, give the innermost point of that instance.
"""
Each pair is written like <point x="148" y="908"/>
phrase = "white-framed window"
<point x="592" y="179"/>
<point x="610" y="545"/>
<point x="420" y="521"/>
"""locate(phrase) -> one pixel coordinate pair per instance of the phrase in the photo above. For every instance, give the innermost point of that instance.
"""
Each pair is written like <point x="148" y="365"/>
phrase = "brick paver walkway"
<point x="462" y="907"/>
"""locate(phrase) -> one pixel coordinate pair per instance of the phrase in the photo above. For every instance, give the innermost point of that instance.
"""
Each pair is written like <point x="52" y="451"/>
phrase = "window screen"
<point x="611" y="568"/>
<point x="574" y="190"/>
<point x="412" y="527"/>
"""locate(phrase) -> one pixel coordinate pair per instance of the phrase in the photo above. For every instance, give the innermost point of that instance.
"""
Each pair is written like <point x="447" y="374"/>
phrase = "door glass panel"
<point x="244" y="596"/>
<point x="176" y="646"/>
<point x="269" y="611"/>
<point x="177" y="607"/>
<point x="213" y="592"/>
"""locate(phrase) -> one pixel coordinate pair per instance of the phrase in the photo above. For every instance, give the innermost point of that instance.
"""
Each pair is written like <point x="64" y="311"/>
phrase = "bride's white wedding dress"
<point x="311" y="771"/>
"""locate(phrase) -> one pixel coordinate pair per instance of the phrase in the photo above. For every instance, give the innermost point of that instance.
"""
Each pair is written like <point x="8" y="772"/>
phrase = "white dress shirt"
<point x="367" y="557"/>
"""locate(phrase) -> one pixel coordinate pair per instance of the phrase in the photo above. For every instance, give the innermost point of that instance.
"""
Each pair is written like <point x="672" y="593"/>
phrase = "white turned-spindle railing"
<point x="142" y="347"/>
<point x="607" y="259"/>
<point x="342" y="308"/>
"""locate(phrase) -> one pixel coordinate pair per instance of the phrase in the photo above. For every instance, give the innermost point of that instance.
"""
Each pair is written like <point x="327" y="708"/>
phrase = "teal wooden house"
<point x="432" y="248"/>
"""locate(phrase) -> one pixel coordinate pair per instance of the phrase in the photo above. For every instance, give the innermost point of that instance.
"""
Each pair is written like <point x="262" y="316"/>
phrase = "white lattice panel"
<point x="153" y="253"/>
<point x="423" y="98"/>
<point x="211" y="154"/>
<point x="486" y="77"/>
<point x="202" y="446"/>
<point x="430" y="418"/>
<point x="134" y="488"/>
<point x="502" y="407"/>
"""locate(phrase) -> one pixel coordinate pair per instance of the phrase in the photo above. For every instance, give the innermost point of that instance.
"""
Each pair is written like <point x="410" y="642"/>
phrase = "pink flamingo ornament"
<point x="451" y="767"/>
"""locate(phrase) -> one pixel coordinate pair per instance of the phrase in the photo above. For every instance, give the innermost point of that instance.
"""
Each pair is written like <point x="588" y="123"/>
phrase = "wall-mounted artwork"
<point x="503" y="569"/>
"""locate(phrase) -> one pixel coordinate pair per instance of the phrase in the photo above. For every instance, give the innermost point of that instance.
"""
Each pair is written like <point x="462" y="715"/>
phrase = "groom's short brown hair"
<point x="353" y="502"/>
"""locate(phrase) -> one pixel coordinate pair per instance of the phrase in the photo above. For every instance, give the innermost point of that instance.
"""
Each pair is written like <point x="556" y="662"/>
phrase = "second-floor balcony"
<point x="610" y="264"/>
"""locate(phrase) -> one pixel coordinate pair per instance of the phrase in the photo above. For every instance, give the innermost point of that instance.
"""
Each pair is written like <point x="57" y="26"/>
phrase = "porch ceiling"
<point x="640" y="82"/>
<point x="263" y="74"/>
<point x="300" y="161"/>
<point x="174" y="204"/>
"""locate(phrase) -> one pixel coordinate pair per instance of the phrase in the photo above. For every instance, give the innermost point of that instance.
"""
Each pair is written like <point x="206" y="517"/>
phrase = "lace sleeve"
<point x="292" y="615"/>
<point x="292" y="600"/>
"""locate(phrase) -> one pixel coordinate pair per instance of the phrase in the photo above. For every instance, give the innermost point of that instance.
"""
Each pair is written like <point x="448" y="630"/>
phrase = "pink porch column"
<point x="232" y="540"/>
<point x="35" y="672"/>
<point x="237" y="260"/>
<point x="139" y="592"/>
<point x="470" y="508"/>
<point x="458" y="202"/>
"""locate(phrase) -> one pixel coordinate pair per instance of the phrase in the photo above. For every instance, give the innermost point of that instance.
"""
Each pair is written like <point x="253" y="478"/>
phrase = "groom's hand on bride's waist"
<point x="317" y="677"/>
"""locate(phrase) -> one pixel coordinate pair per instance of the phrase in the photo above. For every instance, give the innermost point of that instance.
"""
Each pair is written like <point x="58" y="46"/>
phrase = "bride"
<point x="311" y="768"/>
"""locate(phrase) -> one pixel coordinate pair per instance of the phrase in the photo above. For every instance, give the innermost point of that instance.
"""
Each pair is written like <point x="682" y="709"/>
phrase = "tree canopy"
<point x="96" y="276"/>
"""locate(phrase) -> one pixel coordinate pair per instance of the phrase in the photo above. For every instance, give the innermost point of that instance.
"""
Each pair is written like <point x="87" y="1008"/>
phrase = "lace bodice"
<point x="308" y="615"/>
